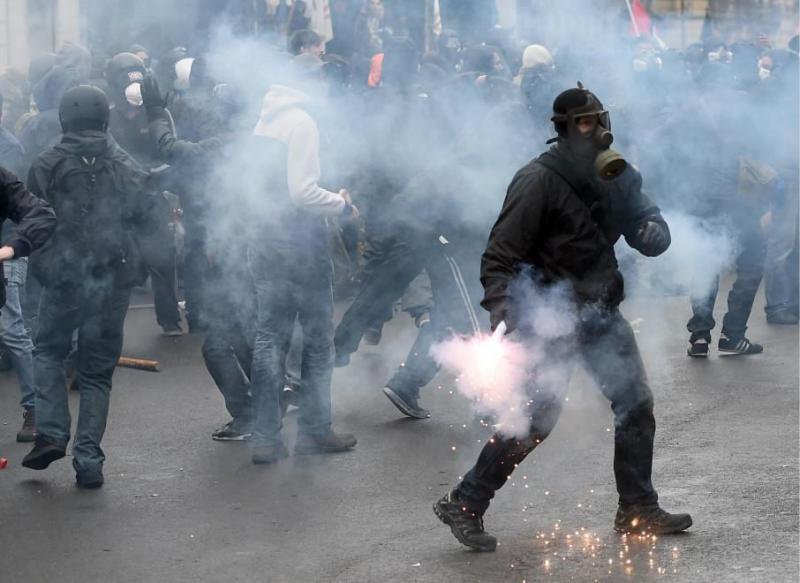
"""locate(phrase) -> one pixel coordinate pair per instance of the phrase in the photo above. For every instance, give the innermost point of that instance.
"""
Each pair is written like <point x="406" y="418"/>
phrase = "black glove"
<point x="654" y="238"/>
<point x="502" y="314"/>
<point x="151" y="94"/>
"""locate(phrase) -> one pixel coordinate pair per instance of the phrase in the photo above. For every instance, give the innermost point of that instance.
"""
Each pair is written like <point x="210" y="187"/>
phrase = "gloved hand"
<point x="502" y="314"/>
<point x="151" y="94"/>
<point x="654" y="238"/>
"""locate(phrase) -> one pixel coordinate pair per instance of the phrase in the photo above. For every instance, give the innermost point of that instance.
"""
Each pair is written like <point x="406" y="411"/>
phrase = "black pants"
<point x="749" y="271"/>
<point x="609" y="352"/>
<point x="228" y="344"/>
<point x="97" y="311"/>
<point x="389" y="270"/>
<point x="453" y="304"/>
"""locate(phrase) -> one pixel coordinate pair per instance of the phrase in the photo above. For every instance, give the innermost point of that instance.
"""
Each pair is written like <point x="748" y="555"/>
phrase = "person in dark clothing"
<point x="227" y="287"/>
<point x="35" y="224"/>
<point x="557" y="227"/>
<point x="129" y="128"/>
<point x="88" y="269"/>
<point x="70" y="67"/>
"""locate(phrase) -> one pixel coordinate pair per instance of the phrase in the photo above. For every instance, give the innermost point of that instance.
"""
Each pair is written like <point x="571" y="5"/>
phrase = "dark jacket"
<point x="101" y="198"/>
<point x="34" y="217"/>
<point x="564" y="235"/>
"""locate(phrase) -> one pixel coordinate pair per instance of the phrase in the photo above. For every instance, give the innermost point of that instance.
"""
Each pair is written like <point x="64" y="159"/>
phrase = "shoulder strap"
<point x="582" y="189"/>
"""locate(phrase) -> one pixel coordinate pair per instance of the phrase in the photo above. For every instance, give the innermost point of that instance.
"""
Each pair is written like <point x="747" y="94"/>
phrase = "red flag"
<point x="640" y="19"/>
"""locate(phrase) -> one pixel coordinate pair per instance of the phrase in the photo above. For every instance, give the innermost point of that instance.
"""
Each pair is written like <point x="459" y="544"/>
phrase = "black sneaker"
<point x="408" y="405"/>
<point x="28" y="432"/>
<point x="698" y="348"/>
<point x="269" y="454"/>
<point x="467" y="526"/>
<point x="331" y="442"/>
<point x="89" y="480"/>
<point x="43" y="454"/>
<point x="733" y="347"/>
<point x="650" y="519"/>
<point x="234" y="430"/>
<point x="172" y="330"/>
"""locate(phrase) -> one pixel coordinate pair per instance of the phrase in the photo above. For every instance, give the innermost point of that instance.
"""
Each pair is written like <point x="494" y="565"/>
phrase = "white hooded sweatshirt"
<point x="284" y="118"/>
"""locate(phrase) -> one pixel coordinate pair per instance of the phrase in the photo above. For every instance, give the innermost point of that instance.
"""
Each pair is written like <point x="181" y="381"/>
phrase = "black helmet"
<point x="84" y="107"/>
<point x="124" y="69"/>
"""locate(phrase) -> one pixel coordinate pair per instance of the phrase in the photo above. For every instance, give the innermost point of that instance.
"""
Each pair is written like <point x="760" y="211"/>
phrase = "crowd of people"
<point x="375" y="176"/>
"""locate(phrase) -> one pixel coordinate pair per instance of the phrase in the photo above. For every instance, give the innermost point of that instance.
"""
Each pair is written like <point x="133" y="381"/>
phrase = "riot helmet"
<point x="84" y="107"/>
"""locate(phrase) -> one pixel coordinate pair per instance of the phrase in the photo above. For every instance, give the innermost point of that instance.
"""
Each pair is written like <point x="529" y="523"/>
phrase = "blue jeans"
<point x="14" y="333"/>
<point x="291" y="287"/>
<point x="98" y="312"/>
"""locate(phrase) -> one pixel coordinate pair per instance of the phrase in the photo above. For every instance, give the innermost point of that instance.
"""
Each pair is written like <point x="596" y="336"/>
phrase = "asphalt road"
<point x="178" y="506"/>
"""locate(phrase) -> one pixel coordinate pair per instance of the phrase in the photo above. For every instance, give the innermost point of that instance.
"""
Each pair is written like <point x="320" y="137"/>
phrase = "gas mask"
<point x="588" y="134"/>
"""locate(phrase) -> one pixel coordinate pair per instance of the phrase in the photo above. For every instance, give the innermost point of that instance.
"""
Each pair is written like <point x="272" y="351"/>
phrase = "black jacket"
<point x="564" y="235"/>
<point x="104" y="210"/>
<point x="34" y="217"/>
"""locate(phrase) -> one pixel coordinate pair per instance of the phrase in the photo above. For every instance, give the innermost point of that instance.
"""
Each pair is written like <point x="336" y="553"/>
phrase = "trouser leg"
<point x="99" y="348"/>
<point x="276" y="313"/>
<point x="58" y="318"/>
<point x="502" y="454"/>
<point x="612" y="358"/>
<point x="389" y="277"/>
<point x="749" y="271"/>
<point x="14" y="333"/>
<point x="316" y="320"/>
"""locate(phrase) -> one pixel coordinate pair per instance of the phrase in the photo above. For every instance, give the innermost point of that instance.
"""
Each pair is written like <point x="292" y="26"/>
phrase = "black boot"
<point x="467" y="526"/>
<point x="650" y="519"/>
<point x="28" y="432"/>
<point x="43" y="454"/>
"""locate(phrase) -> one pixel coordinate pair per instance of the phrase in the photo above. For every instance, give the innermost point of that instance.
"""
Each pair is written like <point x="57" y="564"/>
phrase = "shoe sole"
<point x="723" y="352"/>
<point x="398" y="402"/>
<point x="244" y="437"/>
<point x="90" y="485"/>
<point x="697" y="354"/>
<point x="316" y="451"/>
<point x="41" y="462"/>
<point x="447" y="520"/>
<point x="680" y="528"/>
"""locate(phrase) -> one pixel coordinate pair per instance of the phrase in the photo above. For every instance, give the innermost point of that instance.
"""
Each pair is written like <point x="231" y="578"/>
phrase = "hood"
<point x="72" y="68"/>
<point x="85" y="143"/>
<point x="279" y="98"/>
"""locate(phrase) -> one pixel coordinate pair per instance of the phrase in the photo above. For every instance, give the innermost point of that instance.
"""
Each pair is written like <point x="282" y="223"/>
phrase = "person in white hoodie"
<point x="291" y="266"/>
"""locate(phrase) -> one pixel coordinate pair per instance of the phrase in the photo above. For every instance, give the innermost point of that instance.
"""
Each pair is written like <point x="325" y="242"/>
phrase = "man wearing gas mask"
<point x="562" y="214"/>
<point x="129" y="128"/>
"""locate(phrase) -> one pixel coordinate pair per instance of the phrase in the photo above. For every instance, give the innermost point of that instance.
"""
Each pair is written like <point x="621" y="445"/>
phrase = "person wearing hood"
<point x="555" y="237"/>
<point x="129" y="127"/>
<point x="87" y="269"/>
<point x="290" y="262"/>
<point x="70" y="67"/>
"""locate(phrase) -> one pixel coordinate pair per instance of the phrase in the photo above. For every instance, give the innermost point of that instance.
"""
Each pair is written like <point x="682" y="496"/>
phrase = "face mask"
<point x="183" y="70"/>
<point x="133" y="93"/>
<point x="764" y="73"/>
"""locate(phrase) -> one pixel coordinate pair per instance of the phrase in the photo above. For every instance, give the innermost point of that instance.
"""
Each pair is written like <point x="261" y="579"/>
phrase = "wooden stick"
<point x="139" y="363"/>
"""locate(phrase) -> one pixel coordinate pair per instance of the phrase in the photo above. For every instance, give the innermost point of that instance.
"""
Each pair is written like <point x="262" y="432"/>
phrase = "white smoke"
<point x="500" y="375"/>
